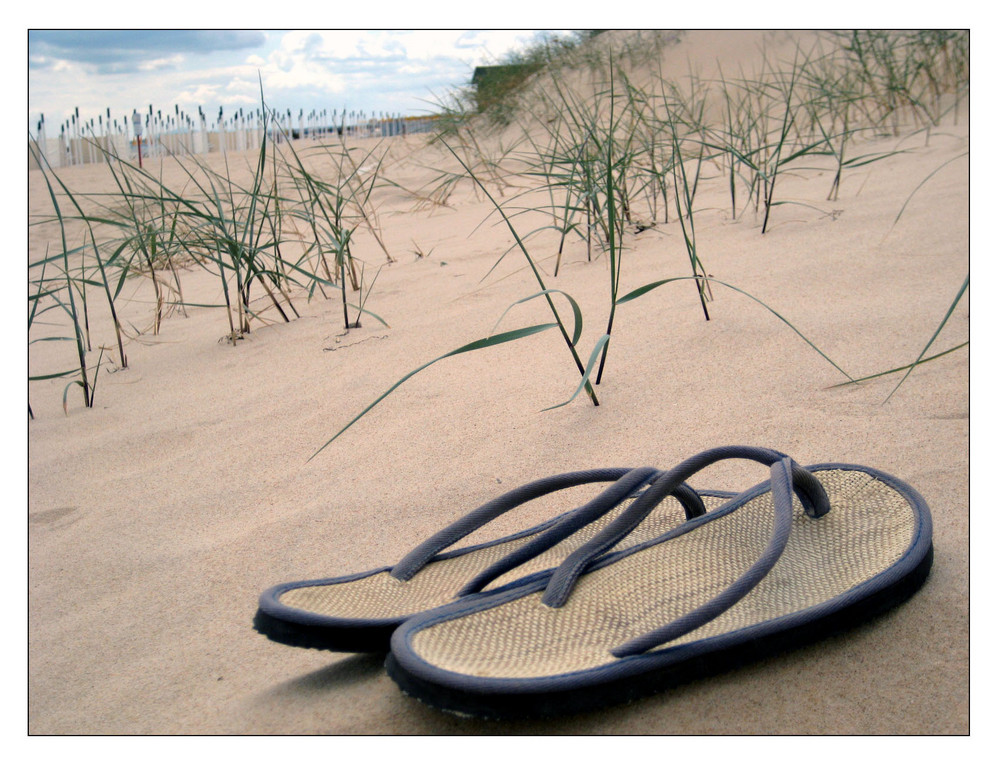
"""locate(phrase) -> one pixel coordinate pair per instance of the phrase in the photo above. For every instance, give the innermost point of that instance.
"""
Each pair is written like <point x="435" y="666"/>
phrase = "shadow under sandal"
<point x="806" y="554"/>
<point x="359" y="612"/>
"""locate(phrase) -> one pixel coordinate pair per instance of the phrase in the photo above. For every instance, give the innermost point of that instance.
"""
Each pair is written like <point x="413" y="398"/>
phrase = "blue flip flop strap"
<point x="781" y="493"/>
<point x="582" y="516"/>
<point x="417" y="558"/>
<point x="805" y="484"/>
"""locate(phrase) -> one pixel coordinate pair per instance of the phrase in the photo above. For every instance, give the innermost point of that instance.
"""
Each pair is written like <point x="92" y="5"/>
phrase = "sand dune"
<point x="157" y="517"/>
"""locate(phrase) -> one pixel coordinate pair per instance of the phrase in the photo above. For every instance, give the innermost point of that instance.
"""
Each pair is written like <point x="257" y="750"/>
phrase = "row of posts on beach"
<point x="154" y="134"/>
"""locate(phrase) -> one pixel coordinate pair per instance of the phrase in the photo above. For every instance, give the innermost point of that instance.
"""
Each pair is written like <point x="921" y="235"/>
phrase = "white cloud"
<point x="301" y="76"/>
<point x="153" y="65"/>
<point x="395" y="71"/>
<point x="338" y="45"/>
<point x="203" y="94"/>
<point x="473" y="47"/>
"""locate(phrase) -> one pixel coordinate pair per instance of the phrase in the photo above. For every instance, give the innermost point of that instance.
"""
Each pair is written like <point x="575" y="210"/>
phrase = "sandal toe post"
<point x="762" y="573"/>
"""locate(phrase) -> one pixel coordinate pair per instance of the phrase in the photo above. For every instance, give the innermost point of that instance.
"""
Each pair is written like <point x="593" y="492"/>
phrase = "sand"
<point x="157" y="517"/>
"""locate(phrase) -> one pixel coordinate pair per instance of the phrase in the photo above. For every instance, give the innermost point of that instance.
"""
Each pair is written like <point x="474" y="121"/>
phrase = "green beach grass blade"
<point x="951" y="310"/>
<point x="362" y="310"/>
<point x="577" y="313"/>
<point x="486" y="342"/>
<point x="599" y="347"/>
<point x="920" y="185"/>
<point x="900" y="369"/>
<point x="534" y="270"/>
<point x="54" y="375"/>
<point x="640" y="291"/>
<point x="47" y="340"/>
<point x="614" y="247"/>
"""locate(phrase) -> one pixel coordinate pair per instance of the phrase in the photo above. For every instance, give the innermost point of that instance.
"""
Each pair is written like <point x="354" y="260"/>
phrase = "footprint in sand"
<point x="56" y="518"/>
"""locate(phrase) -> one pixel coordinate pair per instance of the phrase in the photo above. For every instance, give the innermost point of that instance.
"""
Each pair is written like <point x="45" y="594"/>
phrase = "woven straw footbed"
<point x="869" y="527"/>
<point x="381" y="596"/>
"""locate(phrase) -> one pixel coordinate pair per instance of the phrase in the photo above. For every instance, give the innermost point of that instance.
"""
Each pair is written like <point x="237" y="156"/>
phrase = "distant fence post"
<point x="137" y="129"/>
<point x="43" y="147"/>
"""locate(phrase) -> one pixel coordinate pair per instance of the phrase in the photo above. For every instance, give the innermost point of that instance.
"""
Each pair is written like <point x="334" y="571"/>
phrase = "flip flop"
<point x="808" y="553"/>
<point x="359" y="612"/>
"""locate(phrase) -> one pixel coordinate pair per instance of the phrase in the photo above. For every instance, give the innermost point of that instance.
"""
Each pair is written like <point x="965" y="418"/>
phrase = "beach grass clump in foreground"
<point x="333" y="212"/>
<point x="246" y="235"/>
<point x="62" y="295"/>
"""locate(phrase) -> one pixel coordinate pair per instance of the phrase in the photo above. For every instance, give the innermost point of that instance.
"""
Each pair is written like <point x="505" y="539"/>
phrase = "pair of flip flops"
<point x="648" y="585"/>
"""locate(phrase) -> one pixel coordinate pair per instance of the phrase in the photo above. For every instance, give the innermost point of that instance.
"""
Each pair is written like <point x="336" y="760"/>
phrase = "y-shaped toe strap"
<point x="611" y="497"/>
<point x="625" y="481"/>
<point x="786" y="477"/>
<point x="781" y="493"/>
<point x="422" y="554"/>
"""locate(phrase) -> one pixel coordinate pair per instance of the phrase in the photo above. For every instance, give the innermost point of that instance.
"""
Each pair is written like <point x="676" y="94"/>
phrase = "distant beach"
<point x="79" y="142"/>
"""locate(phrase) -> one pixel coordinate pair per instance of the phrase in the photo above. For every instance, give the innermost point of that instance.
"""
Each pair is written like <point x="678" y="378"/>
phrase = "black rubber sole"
<point x="373" y="639"/>
<point x="626" y="689"/>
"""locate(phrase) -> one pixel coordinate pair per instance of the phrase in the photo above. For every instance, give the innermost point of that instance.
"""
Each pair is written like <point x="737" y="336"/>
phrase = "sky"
<point x="395" y="71"/>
